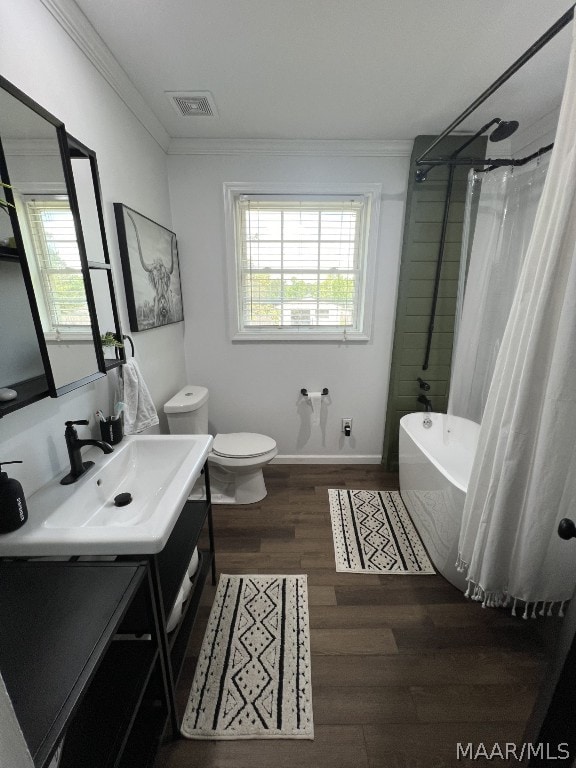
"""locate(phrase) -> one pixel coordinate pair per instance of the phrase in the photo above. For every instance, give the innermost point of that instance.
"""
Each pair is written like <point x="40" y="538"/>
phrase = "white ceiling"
<point x="334" y="69"/>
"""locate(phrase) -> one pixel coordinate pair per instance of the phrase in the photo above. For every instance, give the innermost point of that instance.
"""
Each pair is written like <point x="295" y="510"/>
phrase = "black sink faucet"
<point x="74" y="444"/>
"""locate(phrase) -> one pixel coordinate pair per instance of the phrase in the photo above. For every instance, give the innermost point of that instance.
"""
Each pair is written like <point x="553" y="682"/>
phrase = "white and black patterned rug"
<point x="373" y="533"/>
<point x="252" y="680"/>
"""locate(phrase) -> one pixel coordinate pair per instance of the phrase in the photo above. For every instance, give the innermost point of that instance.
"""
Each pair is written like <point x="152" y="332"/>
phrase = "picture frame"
<point x="151" y="270"/>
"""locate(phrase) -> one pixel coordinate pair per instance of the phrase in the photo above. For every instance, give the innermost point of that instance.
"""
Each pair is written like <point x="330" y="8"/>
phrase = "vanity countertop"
<point x="158" y="471"/>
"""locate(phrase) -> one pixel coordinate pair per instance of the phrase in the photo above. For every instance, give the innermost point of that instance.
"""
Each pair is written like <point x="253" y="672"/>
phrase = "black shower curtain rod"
<point x="518" y="64"/>
<point x="521" y="161"/>
<point x="496" y="162"/>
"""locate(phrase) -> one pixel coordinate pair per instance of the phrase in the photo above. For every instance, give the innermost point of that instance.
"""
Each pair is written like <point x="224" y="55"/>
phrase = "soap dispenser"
<point x="13" y="510"/>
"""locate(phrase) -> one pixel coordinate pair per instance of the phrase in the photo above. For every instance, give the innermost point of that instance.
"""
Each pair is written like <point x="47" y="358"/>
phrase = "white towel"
<point x="140" y="412"/>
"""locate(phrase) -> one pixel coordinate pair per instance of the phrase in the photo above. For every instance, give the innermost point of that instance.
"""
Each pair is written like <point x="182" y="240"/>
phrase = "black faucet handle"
<point x="82" y="422"/>
<point x="423" y="384"/>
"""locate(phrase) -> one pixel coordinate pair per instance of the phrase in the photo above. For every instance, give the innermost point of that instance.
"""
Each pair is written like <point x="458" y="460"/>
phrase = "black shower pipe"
<point x="439" y="266"/>
<point x="453" y="159"/>
<point x="526" y="56"/>
<point x="443" y="231"/>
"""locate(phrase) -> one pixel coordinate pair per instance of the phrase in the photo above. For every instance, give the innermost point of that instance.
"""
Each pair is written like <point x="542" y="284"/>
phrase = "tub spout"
<point x="426" y="402"/>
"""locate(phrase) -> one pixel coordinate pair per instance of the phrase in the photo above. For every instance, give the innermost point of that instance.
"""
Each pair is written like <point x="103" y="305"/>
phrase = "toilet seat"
<point x="242" y="445"/>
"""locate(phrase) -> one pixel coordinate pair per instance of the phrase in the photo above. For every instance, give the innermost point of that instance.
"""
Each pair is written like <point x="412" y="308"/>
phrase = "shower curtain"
<point x="524" y="474"/>
<point x="505" y="202"/>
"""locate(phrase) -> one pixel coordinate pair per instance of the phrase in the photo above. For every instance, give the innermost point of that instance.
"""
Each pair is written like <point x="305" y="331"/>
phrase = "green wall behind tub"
<point x="422" y="231"/>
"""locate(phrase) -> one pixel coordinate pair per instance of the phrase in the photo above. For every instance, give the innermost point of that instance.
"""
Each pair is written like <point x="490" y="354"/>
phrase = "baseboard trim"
<point x="324" y="459"/>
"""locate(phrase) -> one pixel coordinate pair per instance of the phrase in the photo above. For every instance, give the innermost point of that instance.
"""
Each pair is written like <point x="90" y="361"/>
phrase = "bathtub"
<point x="435" y="466"/>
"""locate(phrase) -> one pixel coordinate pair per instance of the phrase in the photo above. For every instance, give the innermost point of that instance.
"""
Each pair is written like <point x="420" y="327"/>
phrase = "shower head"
<point x="504" y="130"/>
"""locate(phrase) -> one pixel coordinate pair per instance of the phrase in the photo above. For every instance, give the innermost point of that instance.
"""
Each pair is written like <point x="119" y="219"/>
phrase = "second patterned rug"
<point x="373" y="533"/>
<point x="252" y="680"/>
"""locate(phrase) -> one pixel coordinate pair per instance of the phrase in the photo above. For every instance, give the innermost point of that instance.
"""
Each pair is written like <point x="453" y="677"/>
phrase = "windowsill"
<point x="302" y="336"/>
<point x="73" y="338"/>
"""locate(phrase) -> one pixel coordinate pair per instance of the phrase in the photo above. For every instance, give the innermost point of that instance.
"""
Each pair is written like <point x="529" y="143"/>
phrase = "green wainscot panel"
<point x="420" y="249"/>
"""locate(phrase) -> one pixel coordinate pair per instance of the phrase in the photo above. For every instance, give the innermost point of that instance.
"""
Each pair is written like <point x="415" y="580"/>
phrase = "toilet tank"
<point x="187" y="411"/>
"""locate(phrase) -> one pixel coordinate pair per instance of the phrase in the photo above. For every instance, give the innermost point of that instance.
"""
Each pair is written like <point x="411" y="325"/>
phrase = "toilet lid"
<point x="242" y="444"/>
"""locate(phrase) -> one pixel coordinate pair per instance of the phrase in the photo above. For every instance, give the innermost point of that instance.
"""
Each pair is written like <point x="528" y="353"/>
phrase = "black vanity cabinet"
<point x="168" y="569"/>
<point x="84" y="649"/>
<point x="68" y="672"/>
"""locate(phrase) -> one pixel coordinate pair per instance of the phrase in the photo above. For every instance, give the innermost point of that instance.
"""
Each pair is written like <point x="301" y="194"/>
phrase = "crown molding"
<point x="303" y="147"/>
<point x="79" y="29"/>
<point x="28" y="147"/>
<point x="43" y="188"/>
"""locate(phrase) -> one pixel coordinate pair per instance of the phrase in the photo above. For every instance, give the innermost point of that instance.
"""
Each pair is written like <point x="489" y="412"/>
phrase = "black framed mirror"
<point x="52" y="243"/>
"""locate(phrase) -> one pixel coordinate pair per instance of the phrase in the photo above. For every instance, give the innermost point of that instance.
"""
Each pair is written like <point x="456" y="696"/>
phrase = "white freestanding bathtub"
<point x="435" y="466"/>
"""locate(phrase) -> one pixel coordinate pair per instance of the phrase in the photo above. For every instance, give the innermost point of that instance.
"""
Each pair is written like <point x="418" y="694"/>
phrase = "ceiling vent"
<point x="193" y="103"/>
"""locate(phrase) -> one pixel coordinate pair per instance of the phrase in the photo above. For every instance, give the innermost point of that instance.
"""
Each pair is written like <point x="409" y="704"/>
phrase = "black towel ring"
<point x="125" y="336"/>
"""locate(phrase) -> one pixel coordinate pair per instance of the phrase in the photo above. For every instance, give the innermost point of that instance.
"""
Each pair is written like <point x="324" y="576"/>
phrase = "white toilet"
<point x="236" y="459"/>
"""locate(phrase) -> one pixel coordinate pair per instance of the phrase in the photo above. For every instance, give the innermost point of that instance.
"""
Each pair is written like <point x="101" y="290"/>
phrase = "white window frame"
<point x="371" y="194"/>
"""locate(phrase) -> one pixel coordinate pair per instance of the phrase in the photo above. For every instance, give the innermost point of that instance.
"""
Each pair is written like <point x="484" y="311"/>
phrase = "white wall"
<point x="41" y="59"/>
<point x="255" y="386"/>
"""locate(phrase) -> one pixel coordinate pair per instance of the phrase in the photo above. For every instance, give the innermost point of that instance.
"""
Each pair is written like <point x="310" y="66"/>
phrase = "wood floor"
<point x="403" y="667"/>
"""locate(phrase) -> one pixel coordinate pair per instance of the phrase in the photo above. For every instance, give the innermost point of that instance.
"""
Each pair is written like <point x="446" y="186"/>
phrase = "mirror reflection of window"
<point x="64" y="311"/>
<point x="53" y="258"/>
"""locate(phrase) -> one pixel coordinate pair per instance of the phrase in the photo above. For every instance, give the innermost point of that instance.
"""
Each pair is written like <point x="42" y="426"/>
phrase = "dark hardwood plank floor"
<point x="403" y="667"/>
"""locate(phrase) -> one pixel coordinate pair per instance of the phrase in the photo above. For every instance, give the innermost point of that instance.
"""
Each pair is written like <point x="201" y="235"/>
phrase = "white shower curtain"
<point x="506" y="201"/>
<point x="524" y="474"/>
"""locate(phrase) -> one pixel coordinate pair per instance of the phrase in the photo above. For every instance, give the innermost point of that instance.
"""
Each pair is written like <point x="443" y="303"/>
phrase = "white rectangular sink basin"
<point x="158" y="471"/>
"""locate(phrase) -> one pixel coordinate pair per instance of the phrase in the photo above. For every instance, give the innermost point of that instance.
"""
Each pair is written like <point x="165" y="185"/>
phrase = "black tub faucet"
<point x="74" y="444"/>
<point x="426" y="402"/>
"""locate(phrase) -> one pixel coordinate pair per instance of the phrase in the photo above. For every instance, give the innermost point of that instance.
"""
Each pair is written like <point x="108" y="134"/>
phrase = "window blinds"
<point x="300" y="261"/>
<point x="56" y="249"/>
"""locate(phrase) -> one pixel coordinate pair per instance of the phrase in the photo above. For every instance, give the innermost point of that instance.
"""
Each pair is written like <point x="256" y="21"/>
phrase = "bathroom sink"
<point x="158" y="471"/>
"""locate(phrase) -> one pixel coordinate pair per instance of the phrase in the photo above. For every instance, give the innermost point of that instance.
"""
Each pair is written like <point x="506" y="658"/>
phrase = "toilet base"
<point x="228" y="488"/>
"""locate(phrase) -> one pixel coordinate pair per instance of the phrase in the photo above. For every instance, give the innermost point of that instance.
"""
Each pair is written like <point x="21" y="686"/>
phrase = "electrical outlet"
<point x="346" y="423"/>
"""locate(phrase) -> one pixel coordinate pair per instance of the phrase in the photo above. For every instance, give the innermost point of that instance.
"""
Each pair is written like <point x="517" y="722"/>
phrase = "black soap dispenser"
<point x="13" y="510"/>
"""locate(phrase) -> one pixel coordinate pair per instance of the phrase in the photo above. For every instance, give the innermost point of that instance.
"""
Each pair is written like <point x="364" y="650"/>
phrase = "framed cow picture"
<point x="149" y="255"/>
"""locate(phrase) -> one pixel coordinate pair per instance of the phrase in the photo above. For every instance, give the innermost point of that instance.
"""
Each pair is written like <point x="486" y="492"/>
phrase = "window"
<point x="57" y="272"/>
<point x="301" y="264"/>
